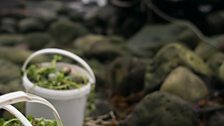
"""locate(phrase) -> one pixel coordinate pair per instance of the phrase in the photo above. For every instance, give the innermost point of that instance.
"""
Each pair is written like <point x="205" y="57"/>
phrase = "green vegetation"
<point x="34" y="122"/>
<point x="55" y="78"/>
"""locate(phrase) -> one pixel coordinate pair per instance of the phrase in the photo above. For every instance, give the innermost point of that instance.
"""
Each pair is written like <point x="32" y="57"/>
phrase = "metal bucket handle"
<point x="64" y="53"/>
<point x="20" y="96"/>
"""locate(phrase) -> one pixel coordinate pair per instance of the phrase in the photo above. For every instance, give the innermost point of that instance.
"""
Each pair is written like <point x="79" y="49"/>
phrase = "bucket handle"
<point x="64" y="53"/>
<point x="17" y="114"/>
<point x="20" y="96"/>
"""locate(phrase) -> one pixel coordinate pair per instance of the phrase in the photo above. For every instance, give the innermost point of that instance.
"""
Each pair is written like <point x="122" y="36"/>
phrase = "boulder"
<point x="36" y="40"/>
<point x="64" y="31"/>
<point x="215" y="61"/>
<point x="8" y="25"/>
<point x="126" y="75"/>
<point x="221" y="72"/>
<point x="181" y="55"/>
<point x="215" y="22"/>
<point x="151" y="37"/>
<point x="101" y="47"/>
<point x="168" y="58"/>
<point x="19" y="55"/>
<point x="9" y="72"/>
<point x="205" y="50"/>
<point x="10" y="39"/>
<point x="185" y="84"/>
<point x="30" y="24"/>
<point x="162" y="109"/>
<point x="216" y="120"/>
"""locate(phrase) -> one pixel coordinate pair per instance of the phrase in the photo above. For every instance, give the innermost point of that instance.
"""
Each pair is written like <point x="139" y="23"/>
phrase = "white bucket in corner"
<point x="70" y="104"/>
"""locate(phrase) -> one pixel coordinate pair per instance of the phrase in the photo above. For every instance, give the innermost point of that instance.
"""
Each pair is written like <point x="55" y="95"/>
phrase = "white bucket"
<point x="69" y="103"/>
<point x="11" y="98"/>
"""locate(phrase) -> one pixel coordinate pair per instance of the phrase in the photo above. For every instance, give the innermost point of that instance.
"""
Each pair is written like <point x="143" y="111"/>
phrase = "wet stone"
<point x="162" y="109"/>
<point x="147" y="41"/>
<point x="64" y="31"/>
<point x="8" y="25"/>
<point x="9" y="71"/>
<point x="30" y="25"/>
<point x="101" y="47"/>
<point x="36" y="40"/>
<point x="10" y="39"/>
<point x="185" y="84"/>
<point x="126" y="75"/>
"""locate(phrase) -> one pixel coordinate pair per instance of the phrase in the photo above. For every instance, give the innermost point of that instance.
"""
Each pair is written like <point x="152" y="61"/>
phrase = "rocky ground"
<point x="149" y="72"/>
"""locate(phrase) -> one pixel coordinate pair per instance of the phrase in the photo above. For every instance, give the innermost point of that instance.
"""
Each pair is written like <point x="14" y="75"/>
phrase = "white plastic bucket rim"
<point x="59" y="94"/>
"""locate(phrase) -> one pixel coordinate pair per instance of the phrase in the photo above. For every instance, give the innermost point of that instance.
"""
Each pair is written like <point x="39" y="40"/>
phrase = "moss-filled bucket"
<point x="20" y="120"/>
<point x="70" y="103"/>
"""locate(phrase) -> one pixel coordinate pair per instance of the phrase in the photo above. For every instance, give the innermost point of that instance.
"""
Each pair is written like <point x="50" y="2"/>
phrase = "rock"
<point x="9" y="72"/>
<point x="126" y="75"/>
<point x="10" y="86"/>
<point x="147" y="40"/>
<point x="100" y="47"/>
<point x="8" y="25"/>
<point x="180" y="55"/>
<point x="215" y="61"/>
<point x="65" y="31"/>
<point x="99" y="70"/>
<point x="30" y="25"/>
<point x="216" y="120"/>
<point x="54" y="6"/>
<point x="18" y="56"/>
<point x="44" y="15"/>
<point x="168" y="58"/>
<point x="215" y="22"/>
<point x="102" y="108"/>
<point x="10" y="39"/>
<point x="162" y="109"/>
<point x="185" y="84"/>
<point x="36" y="40"/>
<point x="221" y="72"/>
<point x="205" y="50"/>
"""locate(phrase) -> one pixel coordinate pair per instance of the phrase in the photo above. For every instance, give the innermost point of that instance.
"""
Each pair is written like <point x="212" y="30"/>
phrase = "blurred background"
<point x="157" y="62"/>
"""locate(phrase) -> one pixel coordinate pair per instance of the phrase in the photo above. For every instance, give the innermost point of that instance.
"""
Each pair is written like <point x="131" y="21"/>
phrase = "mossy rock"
<point x="101" y="47"/>
<point x="162" y="109"/>
<point x="215" y="61"/>
<point x="185" y="84"/>
<point x="64" y="31"/>
<point x="10" y="86"/>
<point x="215" y="22"/>
<point x="168" y="58"/>
<point x="152" y="37"/>
<point x="100" y="71"/>
<point x="30" y="24"/>
<point x="10" y="39"/>
<point x="19" y="55"/>
<point x="36" y="40"/>
<point x="216" y="120"/>
<point x="205" y="50"/>
<point x="9" y="70"/>
<point x="126" y="75"/>
<point x="221" y="72"/>
<point x="8" y="25"/>
<point x="183" y="56"/>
